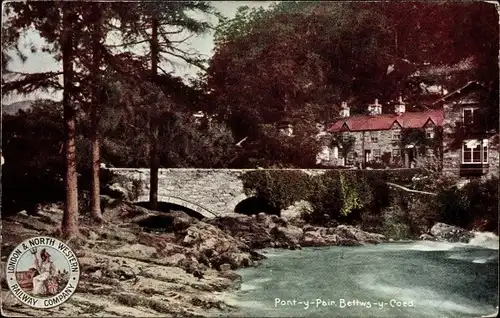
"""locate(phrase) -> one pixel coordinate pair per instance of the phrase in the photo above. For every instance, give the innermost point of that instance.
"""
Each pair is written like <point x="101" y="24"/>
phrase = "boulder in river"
<point x="342" y="235"/>
<point x="427" y="237"/>
<point x="451" y="233"/>
<point x="353" y="233"/>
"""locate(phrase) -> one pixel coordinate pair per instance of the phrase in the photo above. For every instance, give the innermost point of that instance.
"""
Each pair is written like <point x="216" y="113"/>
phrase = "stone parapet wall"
<point x="207" y="191"/>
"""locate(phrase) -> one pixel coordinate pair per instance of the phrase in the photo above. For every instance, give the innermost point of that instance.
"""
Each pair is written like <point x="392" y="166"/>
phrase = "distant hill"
<point x="13" y="108"/>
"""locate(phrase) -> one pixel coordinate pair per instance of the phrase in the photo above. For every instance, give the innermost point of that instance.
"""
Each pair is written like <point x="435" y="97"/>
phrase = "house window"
<point x="374" y="136"/>
<point x="429" y="133"/>
<point x="396" y="153"/>
<point x="335" y="151"/>
<point x="350" y="158"/>
<point x="396" y="134"/>
<point x="470" y="116"/>
<point x="376" y="154"/>
<point x="472" y="149"/>
<point x="345" y="137"/>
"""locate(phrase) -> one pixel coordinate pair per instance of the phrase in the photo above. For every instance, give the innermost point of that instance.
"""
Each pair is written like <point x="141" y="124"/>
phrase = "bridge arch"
<point x="204" y="212"/>
<point x="255" y="205"/>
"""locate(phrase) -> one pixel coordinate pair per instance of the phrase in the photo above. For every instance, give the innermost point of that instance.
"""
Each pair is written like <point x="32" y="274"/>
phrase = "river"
<point x="412" y="279"/>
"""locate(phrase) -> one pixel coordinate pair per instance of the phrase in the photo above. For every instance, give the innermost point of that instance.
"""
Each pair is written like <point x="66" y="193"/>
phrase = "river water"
<point x="412" y="279"/>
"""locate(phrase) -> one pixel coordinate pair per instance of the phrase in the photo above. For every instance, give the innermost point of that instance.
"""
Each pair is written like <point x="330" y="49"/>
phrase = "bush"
<point x="395" y="221"/>
<point x="280" y="187"/>
<point x="454" y="207"/>
<point x="423" y="213"/>
<point x="339" y="193"/>
<point x="476" y="201"/>
<point x="333" y="195"/>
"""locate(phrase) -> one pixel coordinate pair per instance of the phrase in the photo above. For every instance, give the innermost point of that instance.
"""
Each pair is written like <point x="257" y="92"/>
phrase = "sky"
<point x="44" y="62"/>
<point x="27" y="260"/>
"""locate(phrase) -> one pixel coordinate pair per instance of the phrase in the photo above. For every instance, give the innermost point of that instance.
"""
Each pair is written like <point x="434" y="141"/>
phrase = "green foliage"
<point x="455" y="207"/>
<point x="423" y="213"/>
<point x="418" y="138"/>
<point x="334" y="193"/>
<point x="280" y="187"/>
<point x="478" y="200"/>
<point x="354" y="42"/>
<point x="34" y="170"/>
<point x="266" y="148"/>
<point x="395" y="221"/>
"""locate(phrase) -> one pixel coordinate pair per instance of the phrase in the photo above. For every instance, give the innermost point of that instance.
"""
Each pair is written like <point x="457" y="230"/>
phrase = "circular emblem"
<point x="42" y="272"/>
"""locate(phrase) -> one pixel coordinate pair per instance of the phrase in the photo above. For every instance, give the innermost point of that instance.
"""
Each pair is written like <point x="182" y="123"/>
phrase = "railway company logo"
<point x="42" y="272"/>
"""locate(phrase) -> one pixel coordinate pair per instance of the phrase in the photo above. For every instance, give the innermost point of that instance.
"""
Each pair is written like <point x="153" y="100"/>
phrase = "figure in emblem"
<point x="42" y="283"/>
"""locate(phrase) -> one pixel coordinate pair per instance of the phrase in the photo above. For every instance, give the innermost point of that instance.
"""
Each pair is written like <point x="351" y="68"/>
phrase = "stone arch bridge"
<point x="209" y="192"/>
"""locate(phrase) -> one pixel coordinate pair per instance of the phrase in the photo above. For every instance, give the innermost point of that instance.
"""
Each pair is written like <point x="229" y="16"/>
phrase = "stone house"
<point x="456" y="122"/>
<point x="376" y="137"/>
<point x="470" y="144"/>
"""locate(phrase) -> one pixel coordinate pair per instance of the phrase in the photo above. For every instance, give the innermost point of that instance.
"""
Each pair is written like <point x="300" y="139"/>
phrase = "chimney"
<point x="345" y="111"/>
<point x="375" y="108"/>
<point x="399" y="107"/>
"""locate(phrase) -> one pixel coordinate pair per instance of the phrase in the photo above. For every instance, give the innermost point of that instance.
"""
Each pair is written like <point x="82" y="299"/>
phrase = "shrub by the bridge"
<point x="334" y="194"/>
<point x="338" y="193"/>
<point x="280" y="187"/>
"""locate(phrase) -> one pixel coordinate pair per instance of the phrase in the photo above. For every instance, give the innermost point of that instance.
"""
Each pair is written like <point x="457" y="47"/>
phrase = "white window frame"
<point x="473" y="110"/>
<point x="377" y="154"/>
<point x="398" y="131"/>
<point x="335" y="152"/>
<point x="399" y="151"/>
<point x="429" y="132"/>
<point x="482" y="145"/>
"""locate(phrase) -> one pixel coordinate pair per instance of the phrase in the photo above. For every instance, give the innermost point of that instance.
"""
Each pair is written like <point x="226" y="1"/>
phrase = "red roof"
<point x="385" y="121"/>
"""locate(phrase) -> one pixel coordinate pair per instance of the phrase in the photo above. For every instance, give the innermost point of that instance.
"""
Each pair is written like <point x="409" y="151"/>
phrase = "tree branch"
<point x="410" y="190"/>
<point x="126" y="44"/>
<point x="29" y="82"/>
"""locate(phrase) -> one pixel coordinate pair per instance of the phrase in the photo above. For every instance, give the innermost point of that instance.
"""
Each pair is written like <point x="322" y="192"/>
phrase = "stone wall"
<point x="494" y="157"/>
<point x="452" y="156"/>
<point x="210" y="192"/>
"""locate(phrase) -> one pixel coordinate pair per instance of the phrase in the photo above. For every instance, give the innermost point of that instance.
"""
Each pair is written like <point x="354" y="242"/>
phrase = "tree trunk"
<point x="69" y="225"/>
<point x="154" y="166"/>
<point x="153" y="121"/>
<point x="95" y="193"/>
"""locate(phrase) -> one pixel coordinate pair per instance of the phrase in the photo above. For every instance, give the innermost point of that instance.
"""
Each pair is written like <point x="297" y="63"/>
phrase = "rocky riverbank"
<point x="148" y="263"/>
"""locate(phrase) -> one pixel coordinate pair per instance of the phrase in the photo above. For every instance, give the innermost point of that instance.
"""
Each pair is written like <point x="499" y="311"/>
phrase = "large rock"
<point x="427" y="237"/>
<point x="313" y="238"/>
<point x="136" y="251"/>
<point x="214" y="247"/>
<point x="174" y="221"/>
<point x="289" y="236"/>
<point x="450" y="233"/>
<point x="254" y="232"/>
<point x="116" y="190"/>
<point x="349" y="232"/>
<point x="342" y="235"/>
<point x="295" y="211"/>
<point x="264" y="220"/>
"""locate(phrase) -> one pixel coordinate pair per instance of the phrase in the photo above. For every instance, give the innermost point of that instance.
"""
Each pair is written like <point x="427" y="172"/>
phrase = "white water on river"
<point x="413" y="279"/>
